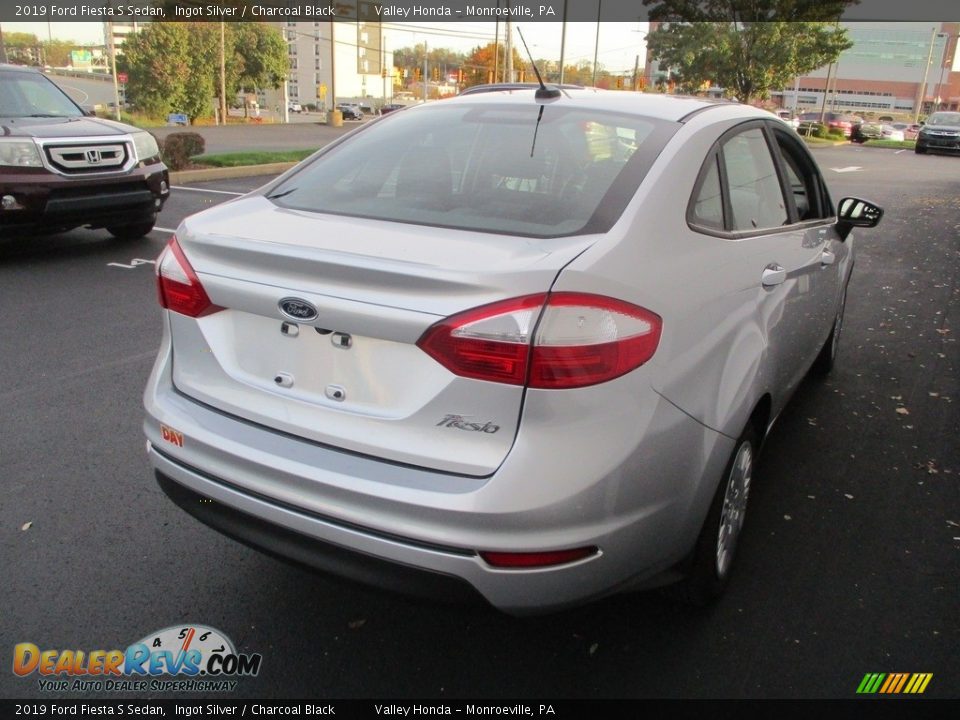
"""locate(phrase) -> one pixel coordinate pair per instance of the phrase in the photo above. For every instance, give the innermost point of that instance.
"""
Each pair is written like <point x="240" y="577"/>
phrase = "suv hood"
<point x="61" y="127"/>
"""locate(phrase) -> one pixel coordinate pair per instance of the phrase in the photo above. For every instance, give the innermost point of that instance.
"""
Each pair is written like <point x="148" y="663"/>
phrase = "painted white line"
<point x="219" y="192"/>
<point x="169" y="230"/>
<point x="851" y="168"/>
<point x="899" y="151"/>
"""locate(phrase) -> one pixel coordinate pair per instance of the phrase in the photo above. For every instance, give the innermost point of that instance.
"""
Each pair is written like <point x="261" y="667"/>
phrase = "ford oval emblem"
<point x="297" y="309"/>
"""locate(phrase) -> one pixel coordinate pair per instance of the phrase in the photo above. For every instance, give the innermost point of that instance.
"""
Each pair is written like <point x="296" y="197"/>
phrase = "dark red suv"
<point x="61" y="169"/>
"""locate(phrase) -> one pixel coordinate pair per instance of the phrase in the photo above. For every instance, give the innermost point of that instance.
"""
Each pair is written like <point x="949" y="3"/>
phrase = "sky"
<point x="620" y="42"/>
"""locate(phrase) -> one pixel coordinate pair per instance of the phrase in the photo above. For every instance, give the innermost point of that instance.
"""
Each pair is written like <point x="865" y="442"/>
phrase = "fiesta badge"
<point x="297" y="309"/>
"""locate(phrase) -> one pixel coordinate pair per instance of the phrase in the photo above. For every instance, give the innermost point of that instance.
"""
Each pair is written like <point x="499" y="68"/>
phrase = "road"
<point x="849" y="559"/>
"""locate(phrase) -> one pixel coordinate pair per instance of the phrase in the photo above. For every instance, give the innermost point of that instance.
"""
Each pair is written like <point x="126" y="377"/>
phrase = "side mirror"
<point x="854" y="212"/>
<point x="89" y="110"/>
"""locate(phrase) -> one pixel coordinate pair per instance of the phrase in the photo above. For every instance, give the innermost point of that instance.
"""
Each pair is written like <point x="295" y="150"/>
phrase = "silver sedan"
<point x="522" y="344"/>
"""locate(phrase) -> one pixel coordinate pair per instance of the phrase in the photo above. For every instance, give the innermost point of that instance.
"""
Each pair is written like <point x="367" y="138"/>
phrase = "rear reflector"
<point x="178" y="287"/>
<point x="558" y="341"/>
<point x="537" y="559"/>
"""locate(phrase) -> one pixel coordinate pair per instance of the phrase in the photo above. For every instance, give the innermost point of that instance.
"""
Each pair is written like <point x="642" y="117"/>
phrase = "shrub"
<point x="179" y="147"/>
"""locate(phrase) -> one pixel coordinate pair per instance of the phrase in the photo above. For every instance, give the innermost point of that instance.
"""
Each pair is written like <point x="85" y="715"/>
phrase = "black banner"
<point x="405" y="11"/>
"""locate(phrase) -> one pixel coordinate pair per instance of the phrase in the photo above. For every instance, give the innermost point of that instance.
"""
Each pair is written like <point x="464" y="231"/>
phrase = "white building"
<point x="358" y="57"/>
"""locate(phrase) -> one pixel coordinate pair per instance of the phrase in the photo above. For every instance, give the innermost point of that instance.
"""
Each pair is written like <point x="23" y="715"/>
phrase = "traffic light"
<point x="459" y="76"/>
<point x="383" y="72"/>
<point x="417" y="73"/>
<point x="620" y="82"/>
<point x="523" y="76"/>
<point x="435" y="73"/>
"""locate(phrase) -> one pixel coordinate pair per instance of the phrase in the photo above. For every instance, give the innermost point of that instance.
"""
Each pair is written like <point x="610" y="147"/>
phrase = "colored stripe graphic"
<point x="894" y="683"/>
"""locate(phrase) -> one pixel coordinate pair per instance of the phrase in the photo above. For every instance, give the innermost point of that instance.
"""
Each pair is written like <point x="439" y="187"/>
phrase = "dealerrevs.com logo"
<point x="181" y="658"/>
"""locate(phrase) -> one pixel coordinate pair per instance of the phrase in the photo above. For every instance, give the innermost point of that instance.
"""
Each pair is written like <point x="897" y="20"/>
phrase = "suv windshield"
<point x="521" y="170"/>
<point x="944" y="118"/>
<point x="29" y="94"/>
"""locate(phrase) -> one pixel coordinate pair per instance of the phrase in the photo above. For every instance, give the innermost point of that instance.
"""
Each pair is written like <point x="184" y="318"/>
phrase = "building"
<point x="364" y="68"/>
<point x="891" y="68"/>
<point x="115" y="33"/>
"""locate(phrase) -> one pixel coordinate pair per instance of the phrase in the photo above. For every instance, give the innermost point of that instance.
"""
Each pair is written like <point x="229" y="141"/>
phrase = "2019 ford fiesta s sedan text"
<point x="520" y="342"/>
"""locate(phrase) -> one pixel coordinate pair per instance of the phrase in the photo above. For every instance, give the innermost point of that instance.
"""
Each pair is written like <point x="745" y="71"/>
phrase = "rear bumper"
<point x="345" y="513"/>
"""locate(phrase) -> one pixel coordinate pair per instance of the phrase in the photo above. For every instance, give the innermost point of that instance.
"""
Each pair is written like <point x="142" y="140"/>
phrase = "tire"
<point x="713" y="556"/>
<point x="828" y="353"/>
<point x="132" y="232"/>
<point x="920" y="150"/>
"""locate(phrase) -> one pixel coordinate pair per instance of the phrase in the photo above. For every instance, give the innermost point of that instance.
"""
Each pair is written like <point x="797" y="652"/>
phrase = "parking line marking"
<point x="169" y="230"/>
<point x="219" y="192"/>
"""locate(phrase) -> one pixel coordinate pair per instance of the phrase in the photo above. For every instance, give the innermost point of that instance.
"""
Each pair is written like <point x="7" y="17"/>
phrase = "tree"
<point x="748" y="47"/>
<point x="481" y="61"/>
<point x="158" y="62"/>
<point x="259" y="55"/>
<point x="22" y="48"/>
<point x="175" y="66"/>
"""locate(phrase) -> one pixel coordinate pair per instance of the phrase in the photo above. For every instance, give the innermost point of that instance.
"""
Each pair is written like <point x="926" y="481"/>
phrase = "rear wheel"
<point x="131" y="232"/>
<point x="716" y="547"/>
<point x="919" y="150"/>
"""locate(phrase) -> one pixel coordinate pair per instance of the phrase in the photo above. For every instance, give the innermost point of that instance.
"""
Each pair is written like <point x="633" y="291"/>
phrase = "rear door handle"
<point x="772" y="275"/>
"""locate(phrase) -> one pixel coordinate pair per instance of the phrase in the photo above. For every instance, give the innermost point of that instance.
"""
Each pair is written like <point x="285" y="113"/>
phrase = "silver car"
<point x="518" y="346"/>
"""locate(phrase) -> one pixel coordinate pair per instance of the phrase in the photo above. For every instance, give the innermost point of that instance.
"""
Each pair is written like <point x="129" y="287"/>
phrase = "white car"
<point x="295" y="107"/>
<point x="525" y="343"/>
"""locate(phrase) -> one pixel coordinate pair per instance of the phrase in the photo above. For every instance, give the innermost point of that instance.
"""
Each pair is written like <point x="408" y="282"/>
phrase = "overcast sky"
<point x="619" y="45"/>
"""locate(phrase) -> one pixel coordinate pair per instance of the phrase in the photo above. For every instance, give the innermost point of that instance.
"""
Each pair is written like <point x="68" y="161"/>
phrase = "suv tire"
<point x="132" y="232"/>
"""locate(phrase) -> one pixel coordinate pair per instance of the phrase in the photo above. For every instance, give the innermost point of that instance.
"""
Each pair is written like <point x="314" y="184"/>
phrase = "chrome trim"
<point x="98" y="143"/>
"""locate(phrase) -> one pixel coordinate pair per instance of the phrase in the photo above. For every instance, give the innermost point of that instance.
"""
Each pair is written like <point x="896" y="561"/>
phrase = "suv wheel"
<point x="919" y="150"/>
<point x="131" y="232"/>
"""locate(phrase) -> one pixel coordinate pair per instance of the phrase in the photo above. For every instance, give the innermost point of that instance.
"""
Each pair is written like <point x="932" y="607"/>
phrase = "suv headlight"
<point x="145" y="145"/>
<point x="19" y="153"/>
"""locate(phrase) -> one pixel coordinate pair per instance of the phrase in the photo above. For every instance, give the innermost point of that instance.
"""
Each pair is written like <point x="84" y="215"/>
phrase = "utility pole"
<point x="636" y="70"/>
<point x="596" y="47"/>
<point x="3" y="50"/>
<point x="923" y="85"/>
<point x="426" y="77"/>
<point x="508" y="60"/>
<point x="563" y="40"/>
<point x="333" y="69"/>
<point x="223" y="73"/>
<point x="112" y="47"/>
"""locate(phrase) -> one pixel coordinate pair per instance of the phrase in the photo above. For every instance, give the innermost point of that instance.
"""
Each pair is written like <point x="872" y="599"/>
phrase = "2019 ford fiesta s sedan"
<point x="521" y="343"/>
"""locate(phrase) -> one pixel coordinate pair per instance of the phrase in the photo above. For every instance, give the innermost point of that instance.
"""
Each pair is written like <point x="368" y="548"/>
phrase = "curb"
<point x="178" y="177"/>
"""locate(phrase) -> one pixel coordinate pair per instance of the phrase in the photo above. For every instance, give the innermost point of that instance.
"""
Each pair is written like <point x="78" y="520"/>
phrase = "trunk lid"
<point x="352" y="377"/>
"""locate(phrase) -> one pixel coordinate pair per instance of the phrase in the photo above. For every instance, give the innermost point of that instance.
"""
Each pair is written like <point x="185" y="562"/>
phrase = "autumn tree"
<point x="482" y="60"/>
<point x="747" y="47"/>
<point x="158" y="61"/>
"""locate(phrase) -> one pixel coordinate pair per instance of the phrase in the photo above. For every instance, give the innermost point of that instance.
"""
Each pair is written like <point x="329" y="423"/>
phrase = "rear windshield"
<point x="29" y="94"/>
<point x="539" y="171"/>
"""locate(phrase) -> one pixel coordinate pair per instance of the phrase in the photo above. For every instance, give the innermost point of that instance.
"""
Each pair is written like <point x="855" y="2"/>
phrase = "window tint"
<point x="535" y="171"/>
<point x="756" y="198"/>
<point x="708" y="207"/>
<point x="27" y="94"/>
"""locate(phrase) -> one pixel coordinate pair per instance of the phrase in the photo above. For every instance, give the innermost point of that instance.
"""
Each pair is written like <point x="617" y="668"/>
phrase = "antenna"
<point x="543" y="92"/>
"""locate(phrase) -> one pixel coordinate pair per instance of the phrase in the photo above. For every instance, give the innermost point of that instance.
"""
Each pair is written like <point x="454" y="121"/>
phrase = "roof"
<point x="656" y="105"/>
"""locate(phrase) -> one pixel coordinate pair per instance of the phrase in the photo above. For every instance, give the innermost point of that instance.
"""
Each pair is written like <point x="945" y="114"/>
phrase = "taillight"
<point x="178" y="287"/>
<point x="558" y="341"/>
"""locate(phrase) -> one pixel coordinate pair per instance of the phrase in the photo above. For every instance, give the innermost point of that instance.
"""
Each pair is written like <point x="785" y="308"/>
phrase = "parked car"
<point x="864" y="131"/>
<point x="295" y="107"/>
<point x="61" y="168"/>
<point x="350" y="112"/>
<point x="390" y="107"/>
<point x="832" y="120"/>
<point x="520" y="347"/>
<point x="789" y="118"/>
<point x="909" y="131"/>
<point x="940" y="131"/>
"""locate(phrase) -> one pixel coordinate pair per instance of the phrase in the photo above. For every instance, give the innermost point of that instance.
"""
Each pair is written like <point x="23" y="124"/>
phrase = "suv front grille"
<point x="93" y="158"/>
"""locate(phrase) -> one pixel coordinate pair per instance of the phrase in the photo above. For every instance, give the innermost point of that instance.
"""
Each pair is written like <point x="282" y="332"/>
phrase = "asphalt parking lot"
<point x="848" y="565"/>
